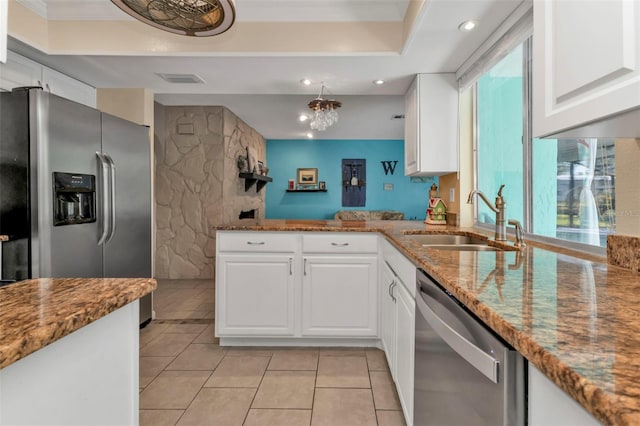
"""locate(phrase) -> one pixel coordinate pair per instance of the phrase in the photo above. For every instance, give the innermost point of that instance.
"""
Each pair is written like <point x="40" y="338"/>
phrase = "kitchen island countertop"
<point x="37" y="312"/>
<point x="571" y="315"/>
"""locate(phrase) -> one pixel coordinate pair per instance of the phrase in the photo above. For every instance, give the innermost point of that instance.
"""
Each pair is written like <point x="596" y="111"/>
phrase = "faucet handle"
<point x="519" y="233"/>
<point x="500" y="190"/>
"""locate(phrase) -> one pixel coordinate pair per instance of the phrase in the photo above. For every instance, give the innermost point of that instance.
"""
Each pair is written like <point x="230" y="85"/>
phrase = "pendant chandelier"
<point x="324" y="112"/>
<point x="199" y="18"/>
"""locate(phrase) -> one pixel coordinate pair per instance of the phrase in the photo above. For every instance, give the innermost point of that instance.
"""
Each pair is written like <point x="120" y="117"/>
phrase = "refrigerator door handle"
<point x="112" y="195"/>
<point x="106" y="220"/>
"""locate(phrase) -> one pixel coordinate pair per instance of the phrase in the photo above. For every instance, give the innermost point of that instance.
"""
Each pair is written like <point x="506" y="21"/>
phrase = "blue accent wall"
<point x="284" y="157"/>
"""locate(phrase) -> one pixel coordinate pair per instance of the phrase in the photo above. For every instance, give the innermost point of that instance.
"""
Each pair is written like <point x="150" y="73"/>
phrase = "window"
<point x="563" y="189"/>
<point x="499" y="136"/>
<point x="573" y="188"/>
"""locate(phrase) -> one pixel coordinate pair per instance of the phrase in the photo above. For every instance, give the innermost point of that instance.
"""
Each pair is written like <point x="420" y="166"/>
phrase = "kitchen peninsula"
<point x="69" y="350"/>
<point x="572" y="316"/>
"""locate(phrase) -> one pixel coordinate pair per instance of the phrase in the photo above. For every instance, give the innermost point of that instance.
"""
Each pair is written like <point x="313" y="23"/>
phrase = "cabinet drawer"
<point x="257" y="242"/>
<point x="331" y="242"/>
<point x="400" y="265"/>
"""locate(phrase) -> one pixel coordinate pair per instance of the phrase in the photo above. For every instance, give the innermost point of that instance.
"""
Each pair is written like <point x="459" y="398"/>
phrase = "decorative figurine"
<point x="437" y="210"/>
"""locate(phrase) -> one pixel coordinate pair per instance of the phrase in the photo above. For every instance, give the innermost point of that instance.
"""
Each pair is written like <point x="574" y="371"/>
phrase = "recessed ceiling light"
<point x="378" y="82"/>
<point x="467" y="26"/>
<point x="305" y="81"/>
<point x="310" y="135"/>
<point x="303" y="117"/>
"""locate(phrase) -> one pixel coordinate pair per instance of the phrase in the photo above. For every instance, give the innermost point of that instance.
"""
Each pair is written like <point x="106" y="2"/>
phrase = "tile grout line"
<point x="315" y="387"/>
<point x="373" y="399"/>
<point x="256" y="390"/>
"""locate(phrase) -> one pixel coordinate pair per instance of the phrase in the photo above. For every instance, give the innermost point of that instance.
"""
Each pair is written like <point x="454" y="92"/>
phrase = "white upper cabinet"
<point x="586" y="62"/>
<point x="20" y="71"/>
<point x="67" y="87"/>
<point x="431" y="125"/>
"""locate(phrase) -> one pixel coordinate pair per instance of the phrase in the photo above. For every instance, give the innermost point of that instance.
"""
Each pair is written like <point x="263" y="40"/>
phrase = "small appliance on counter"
<point x="75" y="191"/>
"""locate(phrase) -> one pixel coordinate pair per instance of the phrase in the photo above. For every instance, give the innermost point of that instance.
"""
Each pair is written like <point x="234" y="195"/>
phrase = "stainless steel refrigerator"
<point x="75" y="191"/>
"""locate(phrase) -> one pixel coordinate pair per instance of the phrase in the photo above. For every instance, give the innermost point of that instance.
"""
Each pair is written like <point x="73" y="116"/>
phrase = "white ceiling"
<point x="264" y="89"/>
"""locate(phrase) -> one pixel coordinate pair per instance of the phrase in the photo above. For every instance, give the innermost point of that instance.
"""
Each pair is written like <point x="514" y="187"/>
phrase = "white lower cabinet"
<point x="398" y="309"/>
<point x="339" y="296"/>
<point x="388" y="317"/>
<point x="404" y="349"/>
<point x="548" y="405"/>
<point x="89" y="377"/>
<point x="268" y="286"/>
<point x="255" y="295"/>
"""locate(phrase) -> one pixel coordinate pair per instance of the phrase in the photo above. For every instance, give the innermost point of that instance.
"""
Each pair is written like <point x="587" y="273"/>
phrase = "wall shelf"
<point x="251" y="179"/>
<point x="306" y="190"/>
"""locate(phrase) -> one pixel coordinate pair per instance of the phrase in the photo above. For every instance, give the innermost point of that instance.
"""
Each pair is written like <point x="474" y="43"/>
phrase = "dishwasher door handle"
<point x="479" y="359"/>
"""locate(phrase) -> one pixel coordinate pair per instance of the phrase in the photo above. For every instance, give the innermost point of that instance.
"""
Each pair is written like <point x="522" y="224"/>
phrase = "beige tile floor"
<point x="186" y="378"/>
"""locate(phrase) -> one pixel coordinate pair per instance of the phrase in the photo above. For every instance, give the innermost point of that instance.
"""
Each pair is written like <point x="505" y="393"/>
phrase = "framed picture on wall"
<point x="307" y="176"/>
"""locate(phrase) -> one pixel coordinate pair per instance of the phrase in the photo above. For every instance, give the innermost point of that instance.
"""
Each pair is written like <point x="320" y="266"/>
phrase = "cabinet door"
<point x="19" y="71"/>
<point x="411" y="148"/>
<point x="586" y="61"/>
<point x="340" y="296"/>
<point x="254" y="295"/>
<point x="431" y="125"/>
<point x="550" y="405"/>
<point x="405" y="344"/>
<point x="66" y="87"/>
<point x="388" y="316"/>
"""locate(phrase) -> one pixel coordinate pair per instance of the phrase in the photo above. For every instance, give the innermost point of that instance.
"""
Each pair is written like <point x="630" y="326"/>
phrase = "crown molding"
<point x="37" y="6"/>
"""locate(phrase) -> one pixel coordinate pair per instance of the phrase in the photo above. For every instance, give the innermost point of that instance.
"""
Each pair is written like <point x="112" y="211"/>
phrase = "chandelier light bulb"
<point x="303" y="117"/>
<point x="324" y="112"/>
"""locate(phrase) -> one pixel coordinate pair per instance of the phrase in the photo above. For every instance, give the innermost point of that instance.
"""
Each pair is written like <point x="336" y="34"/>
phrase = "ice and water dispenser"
<point x="74" y="198"/>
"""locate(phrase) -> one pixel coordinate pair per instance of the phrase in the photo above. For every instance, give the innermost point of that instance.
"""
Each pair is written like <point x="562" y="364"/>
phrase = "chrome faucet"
<point x="499" y="209"/>
<point x="519" y="233"/>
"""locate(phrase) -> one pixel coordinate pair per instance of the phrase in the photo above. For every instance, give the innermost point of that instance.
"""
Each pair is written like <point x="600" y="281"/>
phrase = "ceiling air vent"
<point x="181" y="78"/>
<point x="397" y="117"/>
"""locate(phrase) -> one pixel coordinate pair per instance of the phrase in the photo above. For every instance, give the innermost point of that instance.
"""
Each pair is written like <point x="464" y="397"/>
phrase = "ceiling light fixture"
<point x="467" y="26"/>
<point x="305" y="81"/>
<point x="324" y="112"/>
<point x="303" y="117"/>
<point x="378" y="82"/>
<point x="199" y="18"/>
<point x="310" y="135"/>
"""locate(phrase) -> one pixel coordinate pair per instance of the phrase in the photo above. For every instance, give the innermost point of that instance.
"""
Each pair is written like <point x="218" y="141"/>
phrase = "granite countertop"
<point x="573" y="316"/>
<point x="37" y="312"/>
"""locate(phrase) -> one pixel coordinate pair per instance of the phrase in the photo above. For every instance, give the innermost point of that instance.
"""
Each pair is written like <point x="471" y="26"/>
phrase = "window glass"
<point x="572" y="180"/>
<point x="499" y="138"/>
<point x="573" y="189"/>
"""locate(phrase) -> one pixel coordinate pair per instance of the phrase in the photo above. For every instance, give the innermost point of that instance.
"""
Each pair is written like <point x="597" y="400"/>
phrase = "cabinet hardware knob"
<point x="255" y="243"/>
<point x="340" y="244"/>
<point x="305" y="267"/>
<point x="290" y="266"/>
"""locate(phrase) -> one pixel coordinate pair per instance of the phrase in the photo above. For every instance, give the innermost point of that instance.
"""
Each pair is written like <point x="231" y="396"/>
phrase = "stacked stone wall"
<point x="197" y="185"/>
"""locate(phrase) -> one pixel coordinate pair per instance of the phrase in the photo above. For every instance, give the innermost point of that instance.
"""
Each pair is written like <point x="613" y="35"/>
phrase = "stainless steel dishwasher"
<point x="464" y="374"/>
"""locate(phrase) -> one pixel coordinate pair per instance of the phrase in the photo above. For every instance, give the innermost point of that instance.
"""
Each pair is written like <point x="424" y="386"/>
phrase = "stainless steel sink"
<point x="462" y="247"/>
<point x="452" y="242"/>
<point x="445" y="239"/>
